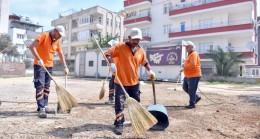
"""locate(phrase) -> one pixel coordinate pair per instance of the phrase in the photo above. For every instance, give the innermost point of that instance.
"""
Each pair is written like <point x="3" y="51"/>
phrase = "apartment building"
<point x="81" y="25"/>
<point x="22" y="29"/>
<point x="229" y="24"/>
<point x="4" y="13"/>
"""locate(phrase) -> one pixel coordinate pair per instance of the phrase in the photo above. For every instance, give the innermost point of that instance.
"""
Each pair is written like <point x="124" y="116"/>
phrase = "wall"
<point x="4" y="16"/>
<point x="158" y="21"/>
<point x="12" y="69"/>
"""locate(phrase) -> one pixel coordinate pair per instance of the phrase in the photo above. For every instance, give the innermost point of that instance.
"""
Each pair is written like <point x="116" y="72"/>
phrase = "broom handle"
<point x="49" y="75"/>
<point x="66" y="81"/>
<point x="127" y="96"/>
<point x="154" y="95"/>
<point x="43" y="66"/>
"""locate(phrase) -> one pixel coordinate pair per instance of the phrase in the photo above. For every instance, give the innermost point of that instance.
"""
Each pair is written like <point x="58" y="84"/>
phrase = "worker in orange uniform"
<point x="129" y="57"/>
<point x="43" y="49"/>
<point x="192" y="74"/>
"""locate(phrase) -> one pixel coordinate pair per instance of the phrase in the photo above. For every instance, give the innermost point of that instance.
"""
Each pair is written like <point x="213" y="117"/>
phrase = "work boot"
<point x="42" y="113"/>
<point x="190" y="107"/>
<point x="49" y="111"/>
<point x="198" y="99"/>
<point x="119" y="129"/>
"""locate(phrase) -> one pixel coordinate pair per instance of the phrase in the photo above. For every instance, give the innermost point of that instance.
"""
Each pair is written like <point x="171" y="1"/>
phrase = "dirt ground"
<point x="237" y="114"/>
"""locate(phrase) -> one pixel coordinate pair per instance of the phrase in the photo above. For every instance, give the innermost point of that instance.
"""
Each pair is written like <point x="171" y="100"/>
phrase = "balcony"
<point x="130" y="3"/>
<point x="213" y="28"/>
<point x="202" y="5"/>
<point x="146" y="38"/>
<point x="96" y="25"/>
<point x="247" y="53"/>
<point x="32" y="34"/>
<point x="137" y="20"/>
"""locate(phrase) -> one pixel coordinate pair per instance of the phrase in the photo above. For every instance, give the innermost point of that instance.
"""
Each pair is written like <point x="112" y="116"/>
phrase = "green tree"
<point x="28" y="63"/>
<point x="13" y="51"/>
<point x="226" y="62"/>
<point x="103" y="40"/>
<point x="5" y="43"/>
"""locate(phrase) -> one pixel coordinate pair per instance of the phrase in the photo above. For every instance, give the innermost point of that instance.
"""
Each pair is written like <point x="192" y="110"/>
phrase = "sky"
<point x="44" y="11"/>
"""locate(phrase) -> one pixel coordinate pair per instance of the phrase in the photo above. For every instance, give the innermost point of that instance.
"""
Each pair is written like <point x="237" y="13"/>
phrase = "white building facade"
<point x="229" y="24"/>
<point x="4" y="15"/>
<point x="20" y="30"/>
<point x="81" y="25"/>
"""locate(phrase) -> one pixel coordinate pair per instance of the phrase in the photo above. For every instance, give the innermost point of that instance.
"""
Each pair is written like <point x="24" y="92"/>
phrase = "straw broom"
<point x="65" y="99"/>
<point x="103" y="90"/>
<point x="141" y="119"/>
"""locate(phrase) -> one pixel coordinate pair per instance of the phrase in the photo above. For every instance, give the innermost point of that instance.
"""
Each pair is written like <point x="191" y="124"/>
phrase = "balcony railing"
<point x="97" y="22"/>
<point x="206" y="49"/>
<point x="133" y="2"/>
<point x="192" y="4"/>
<point x="206" y="4"/>
<point x="139" y="15"/>
<point x="213" y="25"/>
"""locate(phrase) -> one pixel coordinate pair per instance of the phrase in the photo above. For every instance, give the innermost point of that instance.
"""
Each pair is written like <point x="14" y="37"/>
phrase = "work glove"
<point x="41" y="63"/>
<point x="113" y="67"/>
<point x="66" y="70"/>
<point x="151" y="75"/>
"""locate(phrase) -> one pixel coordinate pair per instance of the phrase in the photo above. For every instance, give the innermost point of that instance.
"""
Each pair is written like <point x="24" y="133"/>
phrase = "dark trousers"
<point x="111" y="88"/>
<point x="42" y="84"/>
<point x="133" y="92"/>
<point x="190" y="86"/>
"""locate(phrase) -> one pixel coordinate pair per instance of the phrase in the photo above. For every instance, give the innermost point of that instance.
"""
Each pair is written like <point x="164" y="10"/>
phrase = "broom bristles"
<point x="141" y="119"/>
<point x="66" y="100"/>
<point x="102" y="91"/>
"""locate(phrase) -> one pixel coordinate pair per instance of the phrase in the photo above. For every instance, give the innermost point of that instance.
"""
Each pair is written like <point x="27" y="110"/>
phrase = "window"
<point x="90" y="19"/>
<point x="100" y="20"/>
<point x="183" y="27"/>
<point x="167" y="29"/>
<point x="116" y="24"/>
<point x="167" y="8"/>
<point x="205" y="23"/>
<point x="104" y="63"/>
<point x="146" y="32"/>
<point x="83" y="35"/>
<point x="144" y="13"/>
<point x="111" y="22"/>
<point x="91" y="63"/>
<point x="83" y="20"/>
<point x="20" y="36"/>
<point x="255" y="72"/>
<point x="205" y="47"/>
<point x="107" y="21"/>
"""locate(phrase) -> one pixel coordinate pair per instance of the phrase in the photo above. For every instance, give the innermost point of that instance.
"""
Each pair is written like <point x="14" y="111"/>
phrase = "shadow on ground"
<point x="5" y="114"/>
<point x="94" y="105"/>
<point x="254" y="99"/>
<point x="68" y="132"/>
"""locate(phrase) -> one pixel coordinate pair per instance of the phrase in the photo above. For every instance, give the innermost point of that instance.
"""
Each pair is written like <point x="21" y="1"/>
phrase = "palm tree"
<point x="103" y="40"/>
<point x="226" y="62"/>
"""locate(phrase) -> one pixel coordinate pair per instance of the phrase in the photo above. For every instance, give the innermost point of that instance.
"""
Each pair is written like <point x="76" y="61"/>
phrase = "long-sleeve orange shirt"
<point x="192" y="66"/>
